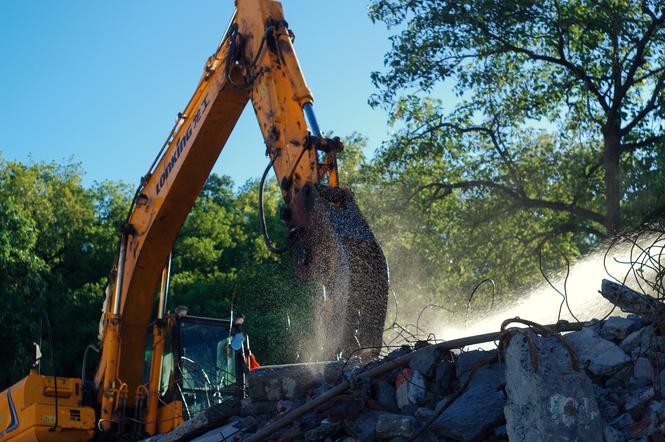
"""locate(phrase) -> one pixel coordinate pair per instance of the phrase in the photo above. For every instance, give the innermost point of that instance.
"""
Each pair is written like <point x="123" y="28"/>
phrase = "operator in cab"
<point x="239" y="342"/>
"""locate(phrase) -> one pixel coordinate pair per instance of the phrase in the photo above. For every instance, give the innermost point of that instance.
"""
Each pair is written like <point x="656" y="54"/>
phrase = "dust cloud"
<point x="628" y="262"/>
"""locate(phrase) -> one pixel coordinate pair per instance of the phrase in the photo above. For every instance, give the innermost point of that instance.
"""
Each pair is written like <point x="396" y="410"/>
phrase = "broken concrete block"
<point x="643" y="372"/>
<point x="608" y="409"/>
<point x="425" y="360"/>
<point x="612" y="434"/>
<point x="473" y="415"/>
<point x="391" y="425"/>
<point x="283" y="406"/>
<point x="249" y="407"/>
<point x="600" y="356"/>
<point x="289" y="387"/>
<point x="636" y="400"/>
<point x="290" y="381"/>
<point x="549" y="400"/>
<point x="363" y="427"/>
<point x="489" y="374"/>
<point x="256" y="389"/>
<point x="622" y="422"/>
<point x="621" y="378"/>
<point x="649" y="422"/>
<point x="617" y="328"/>
<point x="385" y="395"/>
<point x="425" y="413"/>
<point x="342" y="407"/>
<point x="641" y="428"/>
<point x="632" y="344"/>
<point x="444" y="375"/>
<point x="325" y="429"/>
<point x="411" y="387"/>
<point x="273" y="389"/>
<point x="226" y="432"/>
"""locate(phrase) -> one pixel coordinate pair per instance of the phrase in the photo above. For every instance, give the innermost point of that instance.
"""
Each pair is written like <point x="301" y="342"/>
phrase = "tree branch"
<point x="562" y="61"/>
<point x="493" y="136"/>
<point x="444" y="189"/>
<point x="629" y="147"/>
<point x="650" y="106"/>
<point x="640" y="48"/>
<point x="562" y="229"/>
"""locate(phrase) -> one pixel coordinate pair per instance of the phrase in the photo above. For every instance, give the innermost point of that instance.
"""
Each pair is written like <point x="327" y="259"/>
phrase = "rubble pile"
<point x="602" y="383"/>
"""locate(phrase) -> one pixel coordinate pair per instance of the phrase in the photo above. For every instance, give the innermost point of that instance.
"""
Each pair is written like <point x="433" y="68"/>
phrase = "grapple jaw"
<point x="333" y="245"/>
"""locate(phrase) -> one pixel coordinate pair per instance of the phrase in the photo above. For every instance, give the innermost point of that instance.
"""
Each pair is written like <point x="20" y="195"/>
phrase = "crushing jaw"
<point x="333" y="245"/>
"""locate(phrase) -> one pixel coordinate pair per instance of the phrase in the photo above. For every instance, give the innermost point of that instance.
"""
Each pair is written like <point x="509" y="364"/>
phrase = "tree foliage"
<point x="57" y="239"/>
<point x="553" y="141"/>
<point x="57" y="244"/>
<point x="589" y="73"/>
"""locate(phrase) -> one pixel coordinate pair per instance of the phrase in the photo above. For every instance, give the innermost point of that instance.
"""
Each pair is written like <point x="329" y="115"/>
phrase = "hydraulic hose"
<point x="262" y="215"/>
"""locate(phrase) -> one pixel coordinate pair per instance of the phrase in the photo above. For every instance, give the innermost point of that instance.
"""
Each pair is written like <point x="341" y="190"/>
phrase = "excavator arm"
<point x="328" y="239"/>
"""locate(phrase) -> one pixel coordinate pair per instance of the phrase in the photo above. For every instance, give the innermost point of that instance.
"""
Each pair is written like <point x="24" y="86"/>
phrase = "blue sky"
<point x="101" y="82"/>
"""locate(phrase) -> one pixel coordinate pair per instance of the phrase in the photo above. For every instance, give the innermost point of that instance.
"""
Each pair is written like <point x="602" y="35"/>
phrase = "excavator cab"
<point x="199" y="366"/>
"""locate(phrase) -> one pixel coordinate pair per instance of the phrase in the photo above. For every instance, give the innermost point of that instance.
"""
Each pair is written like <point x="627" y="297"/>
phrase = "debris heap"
<point x="603" y="382"/>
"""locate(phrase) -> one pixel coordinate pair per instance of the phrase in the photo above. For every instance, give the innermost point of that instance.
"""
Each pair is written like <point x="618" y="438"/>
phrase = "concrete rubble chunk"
<point x="612" y="434"/>
<point x="444" y="374"/>
<point x="501" y="432"/>
<point x="640" y="429"/>
<point x="386" y="395"/>
<point x="632" y="301"/>
<point x="650" y="421"/>
<point x="600" y="356"/>
<point x="492" y="374"/>
<point x="617" y="327"/>
<point x="273" y="389"/>
<point x="391" y="425"/>
<point x="289" y="387"/>
<point x="442" y="403"/>
<point x="251" y="408"/>
<point x="655" y="411"/>
<point x="550" y="402"/>
<point x="205" y="420"/>
<point x="363" y="427"/>
<point x="635" y="400"/>
<point x="622" y="423"/>
<point x="425" y="413"/>
<point x="227" y="432"/>
<point x="425" y="360"/>
<point x="325" y="429"/>
<point x="473" y="415"/>
<point x="643" y="372"/>
<point x="621" y="378"/>
<point x="275" y="382"/>
<point x="632" y="344"/>
<point x="608" y="409"/>
<point x="411" y="388"/>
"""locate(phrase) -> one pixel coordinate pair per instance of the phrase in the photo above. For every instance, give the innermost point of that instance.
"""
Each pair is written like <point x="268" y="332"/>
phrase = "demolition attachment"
<point x="333" y="245"/>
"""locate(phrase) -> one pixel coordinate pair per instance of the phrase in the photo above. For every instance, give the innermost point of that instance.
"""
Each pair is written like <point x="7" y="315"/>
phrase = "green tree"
<point x="590" y="72"/>
<point x="57" y="240"/>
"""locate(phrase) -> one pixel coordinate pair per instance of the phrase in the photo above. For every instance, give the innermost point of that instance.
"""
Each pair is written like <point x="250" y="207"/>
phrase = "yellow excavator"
<point x="189" y="364"/>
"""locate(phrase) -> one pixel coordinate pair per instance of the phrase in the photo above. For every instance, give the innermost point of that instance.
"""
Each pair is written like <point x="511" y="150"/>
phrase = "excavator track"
<point x="335" y="247"/>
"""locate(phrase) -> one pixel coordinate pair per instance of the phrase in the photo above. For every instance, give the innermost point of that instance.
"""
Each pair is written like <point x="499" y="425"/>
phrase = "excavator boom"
<point x="330" y="242"/>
